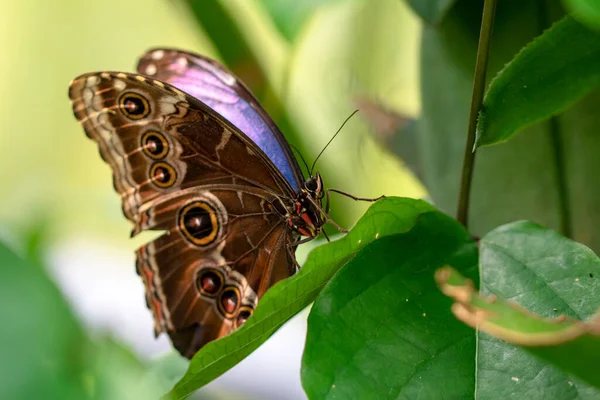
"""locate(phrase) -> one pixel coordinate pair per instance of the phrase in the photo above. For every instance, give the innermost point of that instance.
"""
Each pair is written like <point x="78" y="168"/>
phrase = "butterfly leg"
<point x="328" y="202"/>
<point x="327" y="191"/>
<point x="325" y="212"/>
<point x="292" y="246"/>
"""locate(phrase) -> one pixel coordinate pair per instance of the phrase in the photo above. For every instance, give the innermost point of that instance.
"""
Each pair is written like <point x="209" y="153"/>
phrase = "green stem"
<point x="483" y="49"/>
<point x="545" y="21"/>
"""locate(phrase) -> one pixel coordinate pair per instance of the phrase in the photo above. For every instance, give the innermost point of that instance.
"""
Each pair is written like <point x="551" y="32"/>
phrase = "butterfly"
<point x="195" y="156"/>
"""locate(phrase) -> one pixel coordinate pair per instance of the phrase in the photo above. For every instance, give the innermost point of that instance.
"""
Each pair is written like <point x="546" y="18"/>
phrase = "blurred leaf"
<point x="225" y="35"/>
<point x="587" y="11"/>
<point x="547" y="274"/>
<point x="233" y="48"/>
<point x="166" y="370"/>
<point x="381" y="329"/>
<point x="547" y="76"/>
<point x="246" y="39"/>
<point x="57" y="188"/>
<point x="396" y="132"/>
<point x="45" y="353"/>
<point x="43" y="348"/>
<point x="432" y="11"/>
<point x="385" y="121"/>
<point x="285" y="299"/>
<point x="547" y="165"/>
<point x="571" y="345"/>
<point x="334" y="63"/>
<point x="291" y="15"/>
<point x="116" y="373"/>
<point x="309" y="106"/>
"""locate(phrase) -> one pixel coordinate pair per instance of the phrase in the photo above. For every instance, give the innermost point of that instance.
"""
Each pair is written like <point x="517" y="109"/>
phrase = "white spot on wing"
<point x="92" y="80"/>
<point x="157" y="55"/>
<point x="167" y="108"/>
<point x="150" y="69"/>
<point x="182" y="62"/>
<point x="119" y="84"/>
<point x="167" y="105"/>
<point x="224" y="140"/>
<point x="87" y="96"/>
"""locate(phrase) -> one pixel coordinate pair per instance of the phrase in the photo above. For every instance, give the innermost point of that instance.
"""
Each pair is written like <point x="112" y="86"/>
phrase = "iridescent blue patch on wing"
<point x="212" y="84"/>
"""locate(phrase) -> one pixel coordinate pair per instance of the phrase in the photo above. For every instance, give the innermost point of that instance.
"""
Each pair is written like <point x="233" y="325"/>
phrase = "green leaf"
<point x="587" y="11"/>
<point x="547" y="165"/>
<point x="116" y="373"/>
<point x="381" y="329"/>
<point x="550" y="74"/>
<point x="45" y="353"/>
<point x="432" y="11"/>
<point x="43" y="348"/>
<point x="386" y="217"/>
<point x="245" y="38"/>
<point x="291" y="15"/>
<point x="549" y="275"/>
<point x="568" y="343"/>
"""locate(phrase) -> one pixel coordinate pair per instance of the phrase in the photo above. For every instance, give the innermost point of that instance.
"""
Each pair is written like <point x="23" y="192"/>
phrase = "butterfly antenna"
<point x="331" y="140"/>
<point x="301" y="157"/>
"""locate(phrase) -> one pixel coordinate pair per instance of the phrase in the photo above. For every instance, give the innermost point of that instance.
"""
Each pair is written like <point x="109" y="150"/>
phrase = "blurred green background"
<point x="310" y="62"/>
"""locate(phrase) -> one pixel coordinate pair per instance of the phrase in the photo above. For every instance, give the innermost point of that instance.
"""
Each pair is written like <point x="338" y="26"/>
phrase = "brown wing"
<point x="224" y="246"/>
<point x="184" y="170"/>
<point x="159" y="140"/>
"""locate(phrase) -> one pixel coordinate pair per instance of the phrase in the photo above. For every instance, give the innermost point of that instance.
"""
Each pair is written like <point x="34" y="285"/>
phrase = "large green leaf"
<point x="550" y="74"/>
<point x="542" y="174"/>
<point x="45" y="353"/>
<point x="381" y="329"/>
<point x="572" y="345"/>
<point x="43" y="348"/>
<point x="587" y="11"/>
<point x="114" y="372"/>
<point x="386" y="217"/>
<point x="549" y="275"/>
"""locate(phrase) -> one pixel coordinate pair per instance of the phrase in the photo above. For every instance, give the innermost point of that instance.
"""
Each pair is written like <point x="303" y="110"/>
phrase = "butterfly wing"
<point x="182" y="169"/>
<point x="204" y="279"/>
<point x="216" y="86"/>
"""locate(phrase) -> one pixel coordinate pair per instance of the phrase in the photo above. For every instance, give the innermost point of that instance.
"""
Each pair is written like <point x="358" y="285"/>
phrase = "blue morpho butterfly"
<point x="195" y="155"/>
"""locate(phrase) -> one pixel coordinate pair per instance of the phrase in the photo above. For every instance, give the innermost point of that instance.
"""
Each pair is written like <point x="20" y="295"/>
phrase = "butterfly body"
<point x="232" y="204"/>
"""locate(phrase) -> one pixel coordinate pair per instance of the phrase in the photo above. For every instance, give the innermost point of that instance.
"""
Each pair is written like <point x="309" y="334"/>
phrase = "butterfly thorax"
<point x="306" y="217"/>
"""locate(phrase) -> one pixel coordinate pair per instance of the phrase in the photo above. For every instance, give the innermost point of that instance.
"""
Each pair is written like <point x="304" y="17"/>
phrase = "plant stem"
<point x="545" y="21"/>
<point x="487" y="24"/>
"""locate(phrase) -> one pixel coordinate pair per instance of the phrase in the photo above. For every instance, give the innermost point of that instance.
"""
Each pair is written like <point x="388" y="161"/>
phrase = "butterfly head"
<point x="307" y="218"/>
